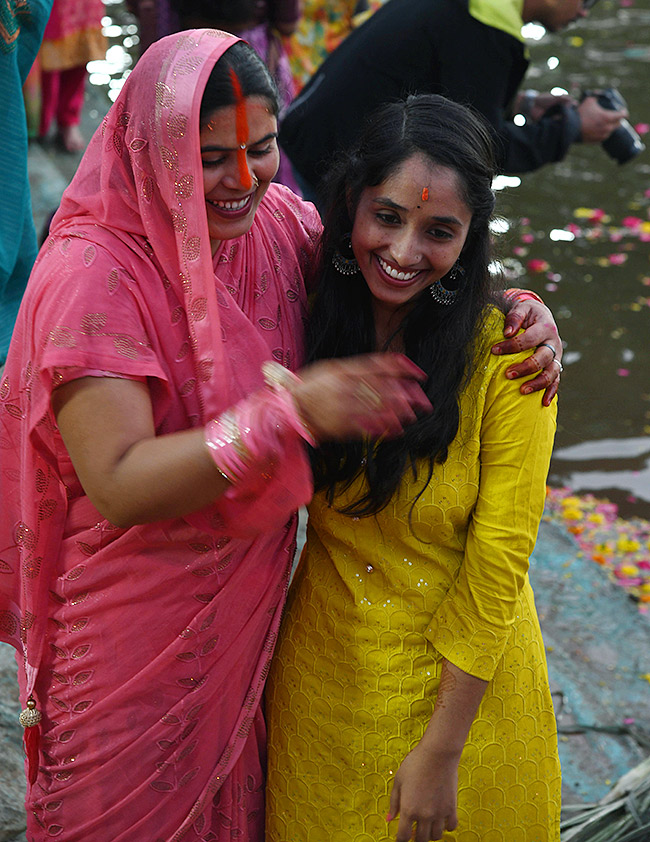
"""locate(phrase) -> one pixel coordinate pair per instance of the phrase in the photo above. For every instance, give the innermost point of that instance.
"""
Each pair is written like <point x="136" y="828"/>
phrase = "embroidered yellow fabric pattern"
<point x="375" y="605"/>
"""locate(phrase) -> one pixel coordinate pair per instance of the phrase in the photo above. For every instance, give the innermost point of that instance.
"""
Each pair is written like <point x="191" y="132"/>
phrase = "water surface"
<point x="578" y="216"/>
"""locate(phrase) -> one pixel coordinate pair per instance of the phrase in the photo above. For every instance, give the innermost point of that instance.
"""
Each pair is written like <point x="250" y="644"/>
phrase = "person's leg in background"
<point x="72" y="85"/>
<point x="50" y="84"/>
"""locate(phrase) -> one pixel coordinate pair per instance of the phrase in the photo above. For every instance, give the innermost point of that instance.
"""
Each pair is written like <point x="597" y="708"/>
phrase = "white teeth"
<point x="231" y="205"/>
<point x="399" y="276"/>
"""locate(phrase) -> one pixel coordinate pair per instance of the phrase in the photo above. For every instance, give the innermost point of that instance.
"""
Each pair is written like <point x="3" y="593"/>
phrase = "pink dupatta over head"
<point x="147" y="648"/>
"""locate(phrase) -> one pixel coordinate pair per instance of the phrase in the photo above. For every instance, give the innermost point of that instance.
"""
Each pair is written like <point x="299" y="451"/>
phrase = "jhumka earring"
<point x="440" y="293"/>
<point x="343" y="258"/>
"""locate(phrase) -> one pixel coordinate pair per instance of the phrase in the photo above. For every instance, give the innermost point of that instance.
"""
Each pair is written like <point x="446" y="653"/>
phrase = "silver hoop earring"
<point x="343" y="258"/>
<point x="440" y="293"/>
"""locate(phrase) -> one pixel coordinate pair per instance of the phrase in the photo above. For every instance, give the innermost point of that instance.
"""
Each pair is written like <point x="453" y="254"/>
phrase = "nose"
<point x="405" y="249"/>
<point x="239" y="175"/>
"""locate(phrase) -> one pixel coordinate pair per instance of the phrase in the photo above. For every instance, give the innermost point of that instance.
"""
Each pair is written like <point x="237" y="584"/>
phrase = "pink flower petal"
<point x="537" y="265"/>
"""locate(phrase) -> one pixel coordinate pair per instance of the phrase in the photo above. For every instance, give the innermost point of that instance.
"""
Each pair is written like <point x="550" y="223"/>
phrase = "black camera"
<point x="623" y="143"/>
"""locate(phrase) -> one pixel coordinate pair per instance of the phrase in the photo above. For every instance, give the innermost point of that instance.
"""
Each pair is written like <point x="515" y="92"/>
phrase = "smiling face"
<point x="409" y="231"/>
<point x="236" y="179"/>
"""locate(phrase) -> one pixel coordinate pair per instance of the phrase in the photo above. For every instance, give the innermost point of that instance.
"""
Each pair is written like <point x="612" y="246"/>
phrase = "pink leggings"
<point x="62" y="97"/>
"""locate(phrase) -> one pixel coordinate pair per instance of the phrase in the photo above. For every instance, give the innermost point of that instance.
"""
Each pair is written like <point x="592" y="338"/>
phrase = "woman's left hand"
<point x="424" y="794"/>
<point x="540" y="332"/>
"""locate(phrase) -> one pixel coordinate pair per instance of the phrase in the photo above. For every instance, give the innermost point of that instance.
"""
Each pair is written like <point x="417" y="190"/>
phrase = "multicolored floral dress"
<point x="324" y="24"/>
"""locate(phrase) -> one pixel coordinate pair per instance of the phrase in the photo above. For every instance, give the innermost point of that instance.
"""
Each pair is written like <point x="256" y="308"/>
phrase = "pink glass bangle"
<point x="522" y="295"/>
<point x="246" y="441"/>
<point x="278" y="378"/>
<point x="227" y="450"/>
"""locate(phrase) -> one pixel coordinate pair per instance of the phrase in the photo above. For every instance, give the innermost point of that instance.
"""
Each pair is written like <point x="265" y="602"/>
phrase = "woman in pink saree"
<point x="143" y="572"/>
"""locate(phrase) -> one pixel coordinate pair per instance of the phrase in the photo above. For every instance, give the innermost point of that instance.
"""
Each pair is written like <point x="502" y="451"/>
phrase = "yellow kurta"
<point x="378" y="602"/>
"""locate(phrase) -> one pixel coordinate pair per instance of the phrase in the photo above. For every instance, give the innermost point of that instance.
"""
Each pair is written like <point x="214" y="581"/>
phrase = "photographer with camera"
<point x="471" y="51"/>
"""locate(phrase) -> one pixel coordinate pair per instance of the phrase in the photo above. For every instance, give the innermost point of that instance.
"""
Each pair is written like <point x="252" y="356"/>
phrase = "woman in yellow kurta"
<point x="410" y="679"/>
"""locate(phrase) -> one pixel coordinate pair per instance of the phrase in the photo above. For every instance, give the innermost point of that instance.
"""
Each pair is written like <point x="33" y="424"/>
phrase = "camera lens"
<point x="623" y="143"/>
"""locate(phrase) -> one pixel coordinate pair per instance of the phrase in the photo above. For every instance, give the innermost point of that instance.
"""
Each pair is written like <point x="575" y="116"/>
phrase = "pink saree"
<point x="147" y="648"/>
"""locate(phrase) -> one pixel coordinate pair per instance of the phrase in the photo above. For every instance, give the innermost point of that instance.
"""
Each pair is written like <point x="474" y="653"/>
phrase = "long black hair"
<point x="440" y="339"/>
<point x="254" y="79"/>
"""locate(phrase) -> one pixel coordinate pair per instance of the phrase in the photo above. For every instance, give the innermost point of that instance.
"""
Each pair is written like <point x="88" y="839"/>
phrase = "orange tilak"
<point x="241" y="128"/>
<point x="425" y="194"/>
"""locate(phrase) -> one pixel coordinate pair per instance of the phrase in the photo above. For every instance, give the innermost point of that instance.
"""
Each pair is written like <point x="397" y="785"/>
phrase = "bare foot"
<point x="72" y="139"/>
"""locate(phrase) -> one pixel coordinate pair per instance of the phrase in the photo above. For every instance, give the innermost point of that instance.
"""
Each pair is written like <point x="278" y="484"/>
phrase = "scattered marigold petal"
<point x="572" y="501"/>
<point x="627" y="571"/>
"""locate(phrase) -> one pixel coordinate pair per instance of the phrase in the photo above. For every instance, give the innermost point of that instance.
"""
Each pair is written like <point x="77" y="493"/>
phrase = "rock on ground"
<point x="12" y="773"/>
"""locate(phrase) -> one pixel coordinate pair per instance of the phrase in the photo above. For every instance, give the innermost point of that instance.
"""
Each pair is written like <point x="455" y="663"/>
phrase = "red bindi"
<point x="241" y="129"/>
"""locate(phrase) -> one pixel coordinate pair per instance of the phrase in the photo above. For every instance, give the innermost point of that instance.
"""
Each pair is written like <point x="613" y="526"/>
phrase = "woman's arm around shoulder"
<point x="530" y="324"/>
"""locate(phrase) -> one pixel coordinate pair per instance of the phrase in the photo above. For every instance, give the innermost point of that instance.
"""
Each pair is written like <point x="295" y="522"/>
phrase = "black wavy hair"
<point x="220" y="14"/>
<point x="440" y="339"/>
<point x="253" y="75"/>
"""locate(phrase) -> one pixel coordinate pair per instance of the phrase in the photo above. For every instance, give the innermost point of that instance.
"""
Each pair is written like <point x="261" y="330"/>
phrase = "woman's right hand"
<point x="371" y="394"/>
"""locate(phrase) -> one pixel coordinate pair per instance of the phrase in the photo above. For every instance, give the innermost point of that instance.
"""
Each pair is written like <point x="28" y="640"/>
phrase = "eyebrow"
<point x="384" y="200"/>
<point x="265" y="139"/>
